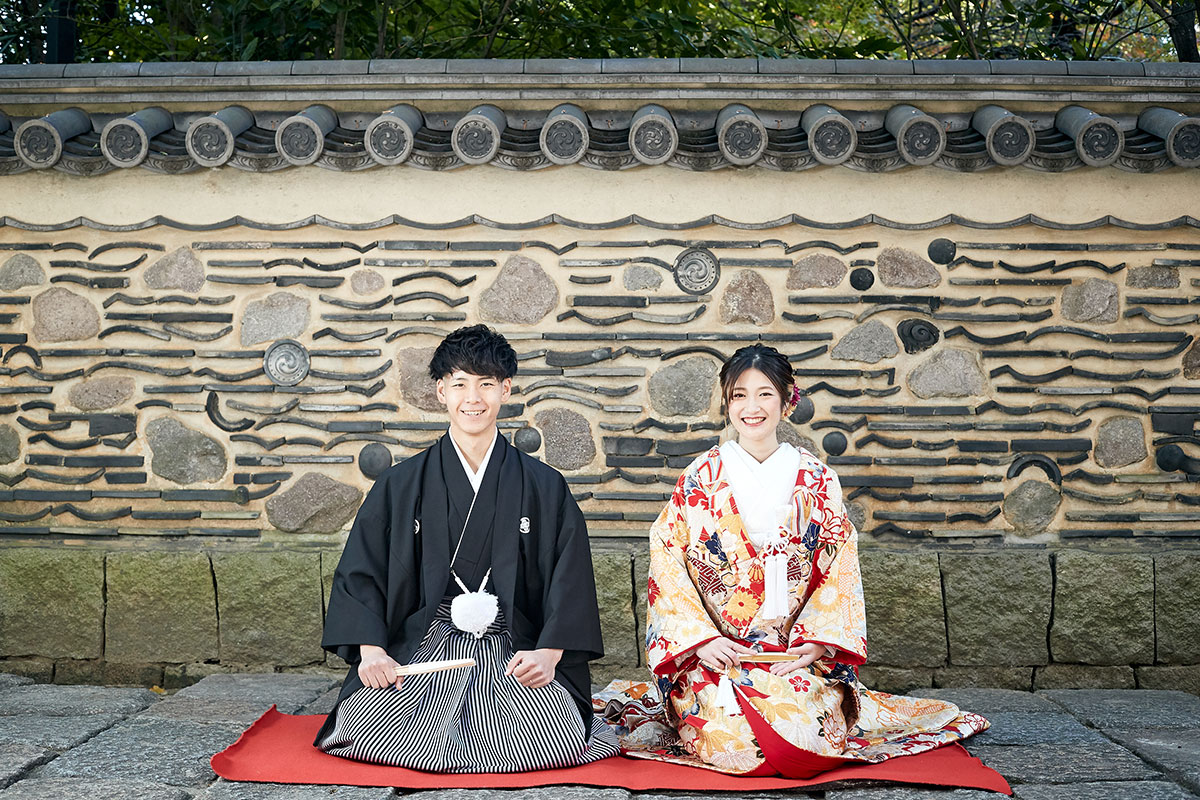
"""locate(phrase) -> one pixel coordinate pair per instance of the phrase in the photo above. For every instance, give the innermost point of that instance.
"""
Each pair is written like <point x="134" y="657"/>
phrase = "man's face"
<point x="473" y="401"/>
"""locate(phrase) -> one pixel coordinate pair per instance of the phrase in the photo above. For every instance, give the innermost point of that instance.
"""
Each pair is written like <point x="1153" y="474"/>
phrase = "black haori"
<point x="467" y="720"/>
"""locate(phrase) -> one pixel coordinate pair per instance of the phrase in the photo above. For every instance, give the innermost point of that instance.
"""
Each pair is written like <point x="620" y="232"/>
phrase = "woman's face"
<point x="755" y="406"/>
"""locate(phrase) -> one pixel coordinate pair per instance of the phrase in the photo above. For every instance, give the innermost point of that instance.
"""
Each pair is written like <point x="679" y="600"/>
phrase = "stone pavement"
<point x="68" y="742"/>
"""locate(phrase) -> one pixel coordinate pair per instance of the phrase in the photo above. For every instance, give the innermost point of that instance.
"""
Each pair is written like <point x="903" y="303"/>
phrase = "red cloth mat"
<point x="278" y="749"/>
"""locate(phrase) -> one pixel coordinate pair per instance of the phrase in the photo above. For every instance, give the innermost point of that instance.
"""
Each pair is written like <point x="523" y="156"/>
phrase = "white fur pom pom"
<point x="473" y="612"/>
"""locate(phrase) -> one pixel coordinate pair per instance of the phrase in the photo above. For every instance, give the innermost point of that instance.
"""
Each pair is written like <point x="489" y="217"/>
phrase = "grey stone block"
<point x="161" y="607"/>
<point x="944" y="66"/>
<point x="1123" y="790"/>
<point x="1078" y="676"/>
<point x="1019" y="678"/>
<point x="795" y="66"/>
<point x="102" y="70"/>
<point x="8" y="681"/>
<point x="1177" y="607"/>
<point x="224" y="790"/>
<point x="69" y="701"/>
<point x="991" y="701"/>
<point x="477" y="66"/>
<point x="1179" y="677"/>
<point x="903" y="793"/>
<point x="1105" y="68"/>
<point x="323" y="704"/>
<point x="1171" y="69"/>
<point x="54" y="733"/>
<point x="330" y="67"/>
<point x="174" y="752"/>
<point x="1132" y="708"/>
<point x="17" y="759"/>
<point x="633" y="65"/>
<point x="903" y="595"/>
<point x="253" y="68"/>
<point x="270" y="607"/>
<point x="72" y="788"/>
<point x="872" y="66"/>
<point x="53" y="603"/>
<point x="719" y="65"/>
<point x="542" y="793"/>
<point x="1013" y="67"/>
<point x="997" y="607"/>
<point x="407" y="65"/>
<point x="25" y="71"/>
<point x="1103" y="609"/>
<point x="189" y="69"/>
<point x="1023" y="728"/>
<point x="614" y="591"/>
<point x="1175" y="752"/>
<point x="563" y="66"/>
<point x="212" y="710"/>
<point x="895" y="680"/>
<point x="283" y="690"/>
<point x="1063" y="763"/>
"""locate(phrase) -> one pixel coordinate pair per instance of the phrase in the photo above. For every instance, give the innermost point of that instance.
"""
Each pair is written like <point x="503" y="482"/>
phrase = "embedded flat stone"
<point x="747" y="298"/>
<point x="1095" y="300"/>
<point x="323" y="704"/>
<point x="1129" y="709"/>
<point x="224" y="790"/>
<point x="183" y="455"/>
<point x="522" y="293"/>
<point x="950" y="372"/>
<point x="179" y="269"/>
<point x="161" y="607"/>
<point x="315" y="503"/>
<point x="1122" y="790"/>
<point x="75" y="788"/>
<point x="278" y="316"/>
<point x="1030" y="508"/>
<point x="1175" y="752"/>
<point x="1177" y="612"/>
<point x="270" y="607"/>
<point x="1152" y="277"/>
<point x="1191" y="362"/>
<point x="684" y="388"/>
<point x="101" y="392"/>
<point x="997" y="607"/>
<point x="1103" y="609"/>
<point x="16" y="759"/>
<point x="817" y="271"/>
<point x="568" y="438"/>
<point x="639" y="277"/>
<point x="60" y="315"/>
<point x="8" y="680"/>
<point x="1063" y="763"/>
<point x="905" y="269"/>
<point x="20" y="271"/>
<point x="53" y="604"/>
<point x="991" y="701"/>
<point x="174" y="752"/>
<point x="54" y="733"/>
<point x="1120" y="441"/>
<point x="366" y="281"/>
<point x="870" y="342"/>
<point x="10" y="444"/>
<point x="1024" y="728"/>
<point x="788" y="434"/>
<point x="416" y="387"/>
<point x="48" y="700"/>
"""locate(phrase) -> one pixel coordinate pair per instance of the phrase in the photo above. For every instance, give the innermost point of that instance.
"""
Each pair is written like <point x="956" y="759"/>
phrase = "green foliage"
<point x="239" y="30"/>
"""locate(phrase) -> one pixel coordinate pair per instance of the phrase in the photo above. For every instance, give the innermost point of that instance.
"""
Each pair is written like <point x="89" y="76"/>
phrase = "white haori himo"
<point x="467" y="720"/>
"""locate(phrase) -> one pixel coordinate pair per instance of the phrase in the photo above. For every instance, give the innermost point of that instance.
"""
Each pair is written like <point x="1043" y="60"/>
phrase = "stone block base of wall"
<point x="1009" y="618"/>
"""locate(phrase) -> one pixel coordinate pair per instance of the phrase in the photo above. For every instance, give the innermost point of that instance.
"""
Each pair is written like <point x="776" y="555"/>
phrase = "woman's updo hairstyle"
<point x="767" y="360"/>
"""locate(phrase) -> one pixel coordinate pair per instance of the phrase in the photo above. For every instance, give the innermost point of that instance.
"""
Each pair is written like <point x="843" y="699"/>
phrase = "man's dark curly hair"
<point x="475" y="349"/>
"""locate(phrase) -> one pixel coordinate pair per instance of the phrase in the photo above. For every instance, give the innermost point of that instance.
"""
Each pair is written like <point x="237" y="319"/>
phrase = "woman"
<point x="754" y="555"/>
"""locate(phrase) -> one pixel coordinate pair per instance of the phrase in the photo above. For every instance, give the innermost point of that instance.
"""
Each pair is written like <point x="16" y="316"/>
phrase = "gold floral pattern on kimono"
<point x="707" y="581"/>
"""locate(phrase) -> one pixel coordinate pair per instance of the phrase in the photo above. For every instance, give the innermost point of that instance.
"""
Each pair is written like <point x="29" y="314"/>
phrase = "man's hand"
<point x="809" y="653"/>
<point x="533" y="668"/>
<point x="377" y="669"/>
<point x="722" y="653"/>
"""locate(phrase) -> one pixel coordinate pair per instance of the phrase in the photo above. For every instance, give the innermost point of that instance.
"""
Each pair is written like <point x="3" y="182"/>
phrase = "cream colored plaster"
<point x="753" y="195"/>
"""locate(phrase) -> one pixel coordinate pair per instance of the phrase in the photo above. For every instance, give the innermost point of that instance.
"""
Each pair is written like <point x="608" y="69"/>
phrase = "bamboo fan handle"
<point x="769" y="658"/>
<point x="425" y="667"/>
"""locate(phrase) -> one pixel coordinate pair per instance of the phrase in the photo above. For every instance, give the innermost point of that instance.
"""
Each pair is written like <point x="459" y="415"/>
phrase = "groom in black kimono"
<point x="474" y="495"/>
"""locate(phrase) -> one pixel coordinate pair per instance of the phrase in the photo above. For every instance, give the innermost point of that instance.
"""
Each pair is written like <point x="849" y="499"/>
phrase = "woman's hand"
<point x="722" y="653"/>
<point x="533" y="668"/>
<point x="376" y="668"/>
<point x="809" y="653"/>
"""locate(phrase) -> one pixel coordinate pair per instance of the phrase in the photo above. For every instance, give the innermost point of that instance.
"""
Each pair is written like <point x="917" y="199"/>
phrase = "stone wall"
<point x="1014" y="618"/>
<point x="193" y="402"/>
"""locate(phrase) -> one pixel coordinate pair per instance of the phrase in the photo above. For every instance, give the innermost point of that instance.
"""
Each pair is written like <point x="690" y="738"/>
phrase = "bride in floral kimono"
<point x="756" y="620"/>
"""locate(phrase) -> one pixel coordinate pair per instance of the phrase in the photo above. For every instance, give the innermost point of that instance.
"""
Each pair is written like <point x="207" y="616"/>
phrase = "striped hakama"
<point x="467" y="720"/>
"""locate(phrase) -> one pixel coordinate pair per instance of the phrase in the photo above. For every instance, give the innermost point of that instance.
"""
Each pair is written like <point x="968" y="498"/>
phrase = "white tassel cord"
<point x="474" y="612"/>
<point x="726" y="697"/>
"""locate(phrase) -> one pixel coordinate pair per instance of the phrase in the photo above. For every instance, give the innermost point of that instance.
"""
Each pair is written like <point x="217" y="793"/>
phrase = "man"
<point x="471" y="514"/>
